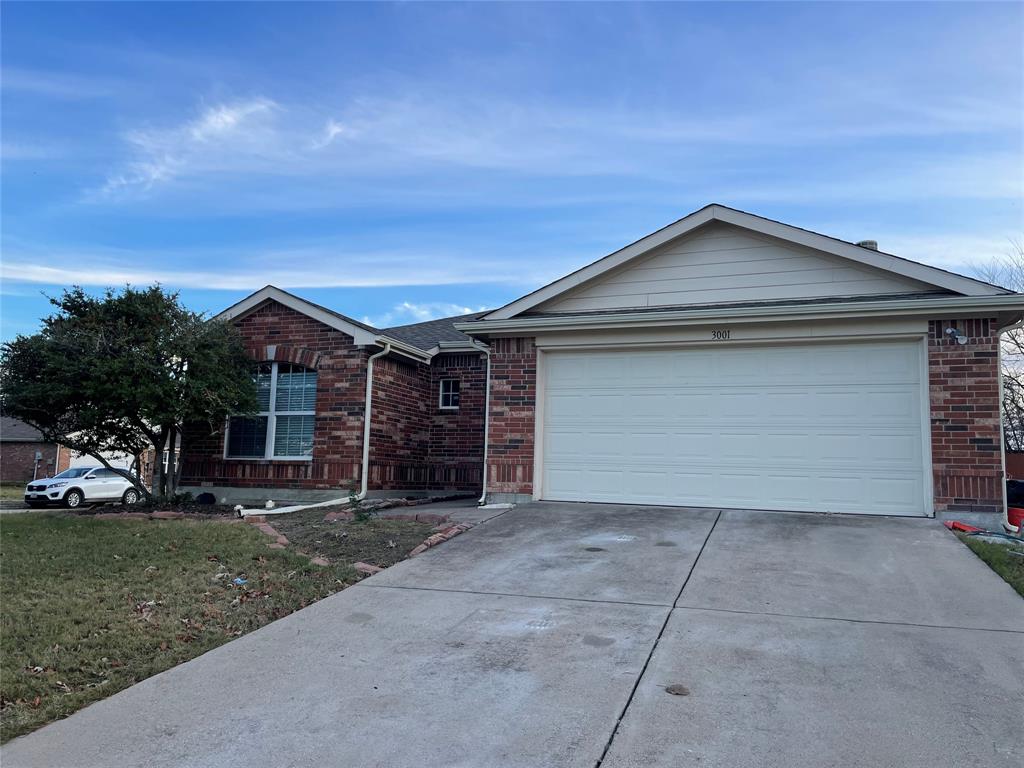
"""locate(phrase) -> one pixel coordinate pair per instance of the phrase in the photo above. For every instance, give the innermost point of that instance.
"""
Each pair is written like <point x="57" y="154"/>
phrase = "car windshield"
<point x="74" y="472"/>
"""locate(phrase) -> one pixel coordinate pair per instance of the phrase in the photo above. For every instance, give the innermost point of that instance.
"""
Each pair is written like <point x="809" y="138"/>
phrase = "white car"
<point x="80" y="485"/>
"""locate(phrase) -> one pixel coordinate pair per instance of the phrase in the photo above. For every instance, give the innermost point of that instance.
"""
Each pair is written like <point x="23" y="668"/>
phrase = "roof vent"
<point x="869" y="244"/>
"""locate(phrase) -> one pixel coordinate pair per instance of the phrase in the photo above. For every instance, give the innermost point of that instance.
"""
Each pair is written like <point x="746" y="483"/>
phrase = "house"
<point x="25" y="455"/>
<point x="726" y="360"/>
<point x="310" y="440"/>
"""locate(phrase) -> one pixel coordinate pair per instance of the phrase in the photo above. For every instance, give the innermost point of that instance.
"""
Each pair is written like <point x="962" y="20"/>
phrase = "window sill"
<point x="448" y="408"/>
<point x="265" y="459"/>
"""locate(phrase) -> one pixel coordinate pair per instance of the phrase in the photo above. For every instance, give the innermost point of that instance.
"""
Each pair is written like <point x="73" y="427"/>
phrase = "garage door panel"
<point x="823" y="427"/>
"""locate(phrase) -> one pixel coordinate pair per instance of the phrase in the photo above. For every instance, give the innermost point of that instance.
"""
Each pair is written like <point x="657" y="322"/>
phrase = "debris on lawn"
<point x="993" y="537"/>
<point x="366" y="569"/>
<point x="238" y="581"/>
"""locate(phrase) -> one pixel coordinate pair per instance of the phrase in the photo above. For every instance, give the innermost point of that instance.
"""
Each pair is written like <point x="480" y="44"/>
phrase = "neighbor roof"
<point x="940" y="278"/>
<point x="12" y="430"/>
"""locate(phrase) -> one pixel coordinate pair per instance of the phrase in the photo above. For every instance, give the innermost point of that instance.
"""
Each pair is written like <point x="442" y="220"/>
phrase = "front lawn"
<point x="12" y="491"/>
<point x="90" y="607"/>
<point x="379" y="541"/>
<point x="1001" y="559"/>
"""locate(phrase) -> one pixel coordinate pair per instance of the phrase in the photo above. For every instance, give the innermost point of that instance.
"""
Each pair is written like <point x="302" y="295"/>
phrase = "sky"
<point x="398" y="162"/>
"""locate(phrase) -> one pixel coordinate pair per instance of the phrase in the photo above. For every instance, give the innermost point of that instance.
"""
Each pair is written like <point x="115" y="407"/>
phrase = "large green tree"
<point x="124" y="371"/>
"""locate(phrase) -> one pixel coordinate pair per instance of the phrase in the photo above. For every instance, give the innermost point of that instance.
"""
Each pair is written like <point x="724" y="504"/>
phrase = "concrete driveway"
<point x="548" y="636"/>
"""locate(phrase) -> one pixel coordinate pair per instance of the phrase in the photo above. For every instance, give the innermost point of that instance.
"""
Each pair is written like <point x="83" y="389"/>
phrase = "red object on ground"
<point x="956" y="525"/>
<point x="1014" y="516"/>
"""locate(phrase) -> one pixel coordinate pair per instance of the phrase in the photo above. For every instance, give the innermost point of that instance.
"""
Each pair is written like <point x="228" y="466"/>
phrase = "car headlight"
<point x="56" y="485"/>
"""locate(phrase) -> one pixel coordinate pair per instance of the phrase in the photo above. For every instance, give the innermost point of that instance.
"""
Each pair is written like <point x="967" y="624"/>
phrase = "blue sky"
<point x="400" y="161"/>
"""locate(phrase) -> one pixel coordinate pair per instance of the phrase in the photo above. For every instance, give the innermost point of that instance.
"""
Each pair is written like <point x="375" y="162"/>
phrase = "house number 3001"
<point x="720" y="335"/>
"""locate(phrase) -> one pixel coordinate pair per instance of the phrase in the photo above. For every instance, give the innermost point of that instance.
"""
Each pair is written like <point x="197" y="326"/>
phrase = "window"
<point x="450" y="393"/>
<point x="283" y="427"/>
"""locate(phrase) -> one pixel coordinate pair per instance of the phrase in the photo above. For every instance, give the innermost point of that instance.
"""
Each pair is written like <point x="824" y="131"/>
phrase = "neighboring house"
<point x="726" y="360"/>
<point x="25" y="456"/>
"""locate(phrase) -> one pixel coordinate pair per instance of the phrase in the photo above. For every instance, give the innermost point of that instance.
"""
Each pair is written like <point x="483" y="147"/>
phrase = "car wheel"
<point x="131" y="496"/>
<point x="73" y="500"/>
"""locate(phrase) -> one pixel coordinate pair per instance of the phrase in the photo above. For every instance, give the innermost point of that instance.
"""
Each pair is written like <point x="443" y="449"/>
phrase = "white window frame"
<point x="441" y="393"/>
<point x="271" y="416"/>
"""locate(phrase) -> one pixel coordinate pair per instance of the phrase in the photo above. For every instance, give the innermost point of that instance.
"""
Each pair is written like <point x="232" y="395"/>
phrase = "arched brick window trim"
<point x="280" y="353"/>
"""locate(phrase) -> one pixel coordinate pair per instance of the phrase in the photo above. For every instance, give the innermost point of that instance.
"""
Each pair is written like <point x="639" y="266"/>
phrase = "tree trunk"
<point x="159" y="476"/>
<point x="126" y="474"/>
<point x="172" y="475"/>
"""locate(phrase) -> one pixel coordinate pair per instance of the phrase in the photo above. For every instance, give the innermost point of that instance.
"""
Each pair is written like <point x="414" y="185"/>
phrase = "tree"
<point x="125" y="371"/>
<point x="1008" y="272"/>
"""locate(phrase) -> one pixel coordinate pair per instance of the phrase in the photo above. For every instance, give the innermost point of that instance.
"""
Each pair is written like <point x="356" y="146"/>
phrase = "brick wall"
<point x="457" y="437"/>
<point x="965" y="418"/>
<point x="414" y="446"/>
<point x="513" y="405"/>
<point x="399" y="426"/>
<point x="17" y="460"/>
<point x="276" y="332"/>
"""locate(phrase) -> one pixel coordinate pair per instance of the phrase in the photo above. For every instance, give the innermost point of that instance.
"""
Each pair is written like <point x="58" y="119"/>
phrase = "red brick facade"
<point x="965" y="416"/>
<point x="413" y="445"/>
<point x="281" y="334"/>
<point x="513" y="408"/>
<point x="18" y="460"/>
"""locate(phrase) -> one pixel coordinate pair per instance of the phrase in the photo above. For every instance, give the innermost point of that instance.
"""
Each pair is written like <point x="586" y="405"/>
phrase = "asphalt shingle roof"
<point x="12" y="429"/>
<point x="427" y="335"/>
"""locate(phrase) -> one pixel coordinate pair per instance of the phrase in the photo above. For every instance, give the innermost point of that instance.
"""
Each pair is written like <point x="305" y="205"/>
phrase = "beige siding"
<point x="721" y="263"/>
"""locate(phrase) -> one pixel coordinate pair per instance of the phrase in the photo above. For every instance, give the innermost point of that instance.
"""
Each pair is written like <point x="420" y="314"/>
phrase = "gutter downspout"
<point x="487" y="416"/>
<point x="367" y="416"/>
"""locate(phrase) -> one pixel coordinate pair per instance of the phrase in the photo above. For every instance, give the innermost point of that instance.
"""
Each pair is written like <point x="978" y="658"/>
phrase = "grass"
<point x="379" y="541"/>
<point x="12" y="491"/>
<point x="1000" y="559"/>
<point x="90" y="607"/>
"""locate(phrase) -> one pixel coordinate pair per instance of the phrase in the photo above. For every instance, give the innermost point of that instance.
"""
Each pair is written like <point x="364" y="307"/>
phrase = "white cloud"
<point x="409" y="312"/>
<point x="324" y="265"/>
<point x="65" y="86"/>
<point x="222" y="131"/>
<point x="399" y="133"/>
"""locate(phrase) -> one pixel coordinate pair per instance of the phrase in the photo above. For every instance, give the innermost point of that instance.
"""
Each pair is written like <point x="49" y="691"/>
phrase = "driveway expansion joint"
<point x="654" y="646"/>
<point x="882" y="622"/>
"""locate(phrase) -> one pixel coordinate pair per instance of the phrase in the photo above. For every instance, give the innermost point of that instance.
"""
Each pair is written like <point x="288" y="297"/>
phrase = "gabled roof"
<point x="420" y="339"/>
<point x="940" y="278"/>
<point x="14" y="431"/>
<point x="360" y="332"/>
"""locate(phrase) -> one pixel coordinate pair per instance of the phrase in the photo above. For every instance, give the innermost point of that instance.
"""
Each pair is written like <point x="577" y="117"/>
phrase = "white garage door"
<point x="817" y="427"/>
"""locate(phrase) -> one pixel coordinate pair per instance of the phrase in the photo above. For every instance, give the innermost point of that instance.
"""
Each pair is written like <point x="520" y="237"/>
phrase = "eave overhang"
<point x="1007" y="307"/>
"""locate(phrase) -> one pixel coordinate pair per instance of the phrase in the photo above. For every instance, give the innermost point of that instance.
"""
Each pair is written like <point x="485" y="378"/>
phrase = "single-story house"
<point x="726" y="360"/>
<point x="25" y="455"/>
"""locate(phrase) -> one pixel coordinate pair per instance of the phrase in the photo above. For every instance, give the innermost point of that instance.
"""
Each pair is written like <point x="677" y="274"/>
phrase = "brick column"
<point x="965" y="416"/>
<point x="513" y="405"/>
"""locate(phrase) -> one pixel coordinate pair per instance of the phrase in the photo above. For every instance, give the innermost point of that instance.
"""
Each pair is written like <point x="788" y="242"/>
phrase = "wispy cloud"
<point x="409" y="312"/>
<point x="60" y="85"/>
<point x="404" y="133"/>
<point x="322" y="266"/>
<point x="223" y="131"/>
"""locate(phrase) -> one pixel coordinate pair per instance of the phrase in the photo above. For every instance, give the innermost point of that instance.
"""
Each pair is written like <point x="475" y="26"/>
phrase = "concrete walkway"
<point x="547" y="636"/>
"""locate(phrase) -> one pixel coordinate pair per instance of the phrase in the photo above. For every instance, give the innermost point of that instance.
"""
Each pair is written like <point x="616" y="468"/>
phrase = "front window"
<point x="450" y="394"/>
<point x="283" y="426"/>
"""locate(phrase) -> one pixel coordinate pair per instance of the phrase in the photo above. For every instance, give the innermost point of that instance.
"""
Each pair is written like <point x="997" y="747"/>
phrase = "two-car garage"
<point x="824" y="427"/>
